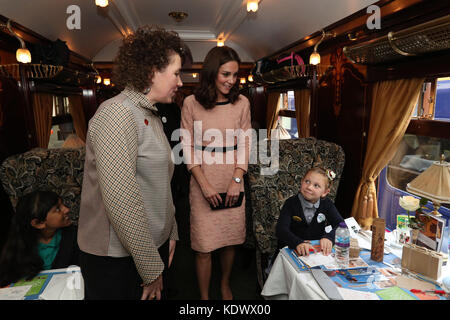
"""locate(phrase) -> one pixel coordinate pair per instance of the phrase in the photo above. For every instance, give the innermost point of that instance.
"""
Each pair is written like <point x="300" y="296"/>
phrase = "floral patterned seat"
<point x="269" y="191"/>
<point x="58" y="170"/>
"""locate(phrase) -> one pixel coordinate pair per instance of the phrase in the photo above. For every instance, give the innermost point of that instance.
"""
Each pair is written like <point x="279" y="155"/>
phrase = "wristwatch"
<point x="237" y="180"/>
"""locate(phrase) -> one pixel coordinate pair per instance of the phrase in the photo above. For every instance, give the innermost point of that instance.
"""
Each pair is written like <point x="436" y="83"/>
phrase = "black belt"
<point x="216" y="149"/>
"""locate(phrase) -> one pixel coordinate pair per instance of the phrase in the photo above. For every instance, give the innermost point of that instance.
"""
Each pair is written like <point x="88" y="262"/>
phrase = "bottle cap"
<point x="342" y="224"/>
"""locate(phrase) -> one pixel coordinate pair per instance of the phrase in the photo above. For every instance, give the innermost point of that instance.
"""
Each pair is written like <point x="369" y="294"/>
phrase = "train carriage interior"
<point x="362" y="86"/>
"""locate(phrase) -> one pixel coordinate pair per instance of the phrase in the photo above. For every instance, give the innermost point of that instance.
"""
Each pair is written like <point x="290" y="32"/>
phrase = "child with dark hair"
<point x="40" y="238"/>
<point x="309" y="215"/>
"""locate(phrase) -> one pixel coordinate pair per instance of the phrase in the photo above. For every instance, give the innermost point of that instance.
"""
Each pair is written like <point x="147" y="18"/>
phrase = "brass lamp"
<point x="433" y="184"/>
<point x="22" y="54"/>
<point x="314" y="58"/>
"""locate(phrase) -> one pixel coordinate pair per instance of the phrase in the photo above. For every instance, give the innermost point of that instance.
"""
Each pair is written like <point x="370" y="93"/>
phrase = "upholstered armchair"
<point x="58" y="170"/>
<point x="269" y="191"/>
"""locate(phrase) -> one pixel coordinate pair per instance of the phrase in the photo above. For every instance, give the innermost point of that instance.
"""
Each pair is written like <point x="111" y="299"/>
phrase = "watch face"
<point x="237" y="180"/>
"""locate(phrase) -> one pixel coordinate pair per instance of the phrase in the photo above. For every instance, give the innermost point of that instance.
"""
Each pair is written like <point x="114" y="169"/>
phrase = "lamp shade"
<point x="314" y="58"/>
<point x="101" y="3"/>
<point x="433" y="183"/>
<point x="23" y="55"/>
<point x="252" y="5"/>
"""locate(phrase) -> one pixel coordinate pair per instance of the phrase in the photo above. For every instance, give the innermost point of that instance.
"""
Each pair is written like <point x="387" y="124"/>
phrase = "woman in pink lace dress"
<point x="217" y="120"/>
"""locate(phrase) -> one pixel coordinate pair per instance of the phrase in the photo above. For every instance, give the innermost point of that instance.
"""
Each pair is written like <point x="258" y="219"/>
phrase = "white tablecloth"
<point x="287" y="283"/>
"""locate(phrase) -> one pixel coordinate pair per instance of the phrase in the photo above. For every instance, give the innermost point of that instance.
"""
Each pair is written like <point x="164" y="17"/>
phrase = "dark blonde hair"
<point x="323" y="172"/>
<point x="143" y="52"/>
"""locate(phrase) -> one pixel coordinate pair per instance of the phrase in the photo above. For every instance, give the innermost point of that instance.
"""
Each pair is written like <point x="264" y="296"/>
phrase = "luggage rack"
<point x="52" y="73"/>
<point x="33" y="71"/>
<point x="291" y="73"/>
<point x="419" y="40"/>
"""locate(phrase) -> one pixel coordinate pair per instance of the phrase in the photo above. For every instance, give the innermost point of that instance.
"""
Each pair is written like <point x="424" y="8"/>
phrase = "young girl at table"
<point x="309" y="215"/>
<point x="41" y="237"/>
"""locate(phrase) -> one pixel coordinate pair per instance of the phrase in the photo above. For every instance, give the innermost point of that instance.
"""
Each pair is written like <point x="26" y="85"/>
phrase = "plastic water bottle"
<point x="342" y="245"/>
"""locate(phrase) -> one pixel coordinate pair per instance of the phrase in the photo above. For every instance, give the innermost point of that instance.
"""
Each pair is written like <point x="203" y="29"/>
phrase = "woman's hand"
<point x="304" y="248"/>
<point x="211" y="195"/>
<point x="325" y="246"/>
<point x="172" y="244"/>
<point x="233" y="191"/>
<point x="153" y="289"/>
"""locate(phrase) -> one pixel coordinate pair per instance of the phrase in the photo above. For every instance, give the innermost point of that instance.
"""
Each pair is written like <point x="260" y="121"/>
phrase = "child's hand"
<point x="325" y="246"/>
<point x="304" y="248"/>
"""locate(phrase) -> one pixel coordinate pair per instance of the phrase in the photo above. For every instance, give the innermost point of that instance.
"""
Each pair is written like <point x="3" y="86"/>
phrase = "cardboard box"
<point x="422" y="260"/>
<point x="354" y="248"/>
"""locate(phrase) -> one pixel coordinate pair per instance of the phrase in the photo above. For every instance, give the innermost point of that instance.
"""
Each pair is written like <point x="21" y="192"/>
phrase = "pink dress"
<point x="213" y="229"/>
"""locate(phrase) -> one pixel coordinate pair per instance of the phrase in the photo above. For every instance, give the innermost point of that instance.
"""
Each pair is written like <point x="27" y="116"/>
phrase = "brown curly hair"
<point x="143" y="52"/>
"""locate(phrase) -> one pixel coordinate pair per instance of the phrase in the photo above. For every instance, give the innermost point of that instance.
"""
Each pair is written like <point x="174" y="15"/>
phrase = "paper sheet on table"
<point x="317" y="259"/>
<point x="349" y="294"/>
<point x="64" y="286"/>
<point x="14" y="293"/>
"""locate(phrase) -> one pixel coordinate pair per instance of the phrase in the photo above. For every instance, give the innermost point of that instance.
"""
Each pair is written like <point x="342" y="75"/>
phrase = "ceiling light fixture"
<point x="101" y="3"/>
<point x="220" y="43"/>
<point x="178" y="16"/>
<point x="252" y="5"/>
<point x="314" y="58"/>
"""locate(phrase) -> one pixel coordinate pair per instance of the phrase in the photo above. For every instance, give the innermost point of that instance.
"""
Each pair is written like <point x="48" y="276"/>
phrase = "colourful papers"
<point x="395" y="293"/>
<point x="349" y="294"/>
<point x="355" y="263"/>
<point x="318" y="259"/>
<point x="292" y="257"/>
<point x="37" y="284"/>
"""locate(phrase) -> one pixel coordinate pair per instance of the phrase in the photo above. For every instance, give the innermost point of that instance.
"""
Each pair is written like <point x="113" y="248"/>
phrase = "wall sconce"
<point x="22" y="54"/>
<point x="101" y="3"/>
<point x="98" y="79"/>
<point x="194" y="75"/>
<point x="243" y="81"/>
<point x="250" y="78"/>
<point x="314" y="58"/>
<point x="220" y="43"/>
<point x="252" y="5"/>
<point x="106" y="81"/>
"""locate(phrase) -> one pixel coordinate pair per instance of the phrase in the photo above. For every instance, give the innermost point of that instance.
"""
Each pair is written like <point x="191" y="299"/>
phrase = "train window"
<point x="414" y="155"/>
<point x="62" y="124"/>
<point x="434" y="100"/>
<point x="286" y="117"/>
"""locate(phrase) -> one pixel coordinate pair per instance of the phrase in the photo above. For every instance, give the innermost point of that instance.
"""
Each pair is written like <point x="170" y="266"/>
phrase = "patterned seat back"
<point x="58" y="170"/>
<point x="269" y="192"/>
